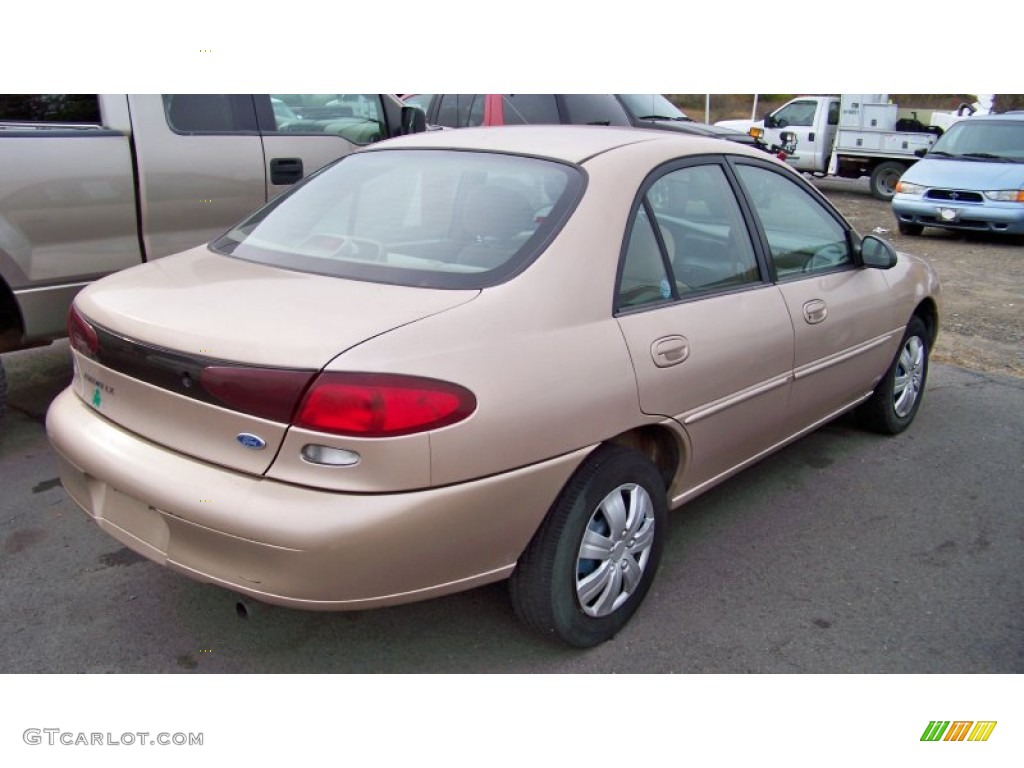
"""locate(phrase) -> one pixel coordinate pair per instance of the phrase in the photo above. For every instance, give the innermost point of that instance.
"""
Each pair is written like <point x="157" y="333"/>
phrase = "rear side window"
<point x="594" y="109"/>
<point x="530" y="108"/>
<point x="210" y="113"/>
<point x="433" y="218"/>
<point x="50" y="108"/>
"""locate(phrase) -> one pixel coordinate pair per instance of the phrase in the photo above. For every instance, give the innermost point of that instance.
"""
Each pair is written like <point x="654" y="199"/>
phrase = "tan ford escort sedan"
<point x="467" y="356"/>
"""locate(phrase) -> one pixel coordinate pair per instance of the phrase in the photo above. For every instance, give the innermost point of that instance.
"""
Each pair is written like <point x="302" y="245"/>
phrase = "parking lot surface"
<point x="845" y="552"/>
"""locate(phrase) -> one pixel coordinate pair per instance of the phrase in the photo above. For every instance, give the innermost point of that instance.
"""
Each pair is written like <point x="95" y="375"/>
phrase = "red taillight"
<point x="82" y="335"/>
<point x="268" y="393"/>
<point x="382" y="405"/>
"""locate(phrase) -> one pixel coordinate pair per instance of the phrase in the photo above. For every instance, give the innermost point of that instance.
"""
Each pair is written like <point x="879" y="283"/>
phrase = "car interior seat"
<point x="498" y="220"/>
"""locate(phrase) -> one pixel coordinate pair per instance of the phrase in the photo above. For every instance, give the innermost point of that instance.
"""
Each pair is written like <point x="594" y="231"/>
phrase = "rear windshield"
<point x="433" y="218"/>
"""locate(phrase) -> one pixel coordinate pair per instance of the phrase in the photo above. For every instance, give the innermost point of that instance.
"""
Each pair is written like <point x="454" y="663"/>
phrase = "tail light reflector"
<point x="382" y="405"/>
<point x="267" y="393"/>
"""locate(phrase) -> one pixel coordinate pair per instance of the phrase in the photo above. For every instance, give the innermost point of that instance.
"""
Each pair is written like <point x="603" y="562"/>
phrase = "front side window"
<point x="803" y="237"/>
<point x="435" y="218"/>
<point x="50" y="108"/>
<point x="798" y="113"/>
<point x="357" y="117"/>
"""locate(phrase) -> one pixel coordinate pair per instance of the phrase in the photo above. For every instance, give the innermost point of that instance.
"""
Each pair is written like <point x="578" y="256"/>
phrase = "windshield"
<point x="1001" y="140"/>
<point x="432" y="218"/>
<point x="651" y="106"/>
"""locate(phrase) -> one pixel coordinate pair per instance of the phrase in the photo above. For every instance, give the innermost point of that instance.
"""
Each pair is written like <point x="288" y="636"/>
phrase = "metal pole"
<point x="753" y="111"/>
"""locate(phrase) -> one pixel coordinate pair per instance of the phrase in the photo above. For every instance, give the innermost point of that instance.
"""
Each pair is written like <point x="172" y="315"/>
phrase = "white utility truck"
<point x="852" y="135"/>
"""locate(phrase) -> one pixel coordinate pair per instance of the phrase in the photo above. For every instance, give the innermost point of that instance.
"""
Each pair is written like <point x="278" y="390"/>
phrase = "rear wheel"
<point x="913" y="230"/>
<point x="895" y="401"/>
<point x="590" y="564"/>
<point x="883" y="179"/>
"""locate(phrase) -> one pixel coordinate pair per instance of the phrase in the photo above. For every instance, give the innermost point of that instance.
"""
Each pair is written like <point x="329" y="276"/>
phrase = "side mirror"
<point x="414" y="120"/>
<point x="876" y="253"/>
<point x="769" y="121"/>
<point x="921" y="152"/>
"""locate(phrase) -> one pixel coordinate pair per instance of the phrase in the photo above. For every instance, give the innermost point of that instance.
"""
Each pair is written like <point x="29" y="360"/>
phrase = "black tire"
<point x="3" y="389"/>
<point x="554" y="588"/>
<point x="897" y="398"/>
<point x="884" y="177"/>
<point x="913" y="230"/>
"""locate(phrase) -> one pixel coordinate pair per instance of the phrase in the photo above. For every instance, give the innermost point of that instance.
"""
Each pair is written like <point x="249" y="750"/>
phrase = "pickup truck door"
<point x="200" y="167"/>
<point x="808" y="118"/>
<point x="302" y="132"/>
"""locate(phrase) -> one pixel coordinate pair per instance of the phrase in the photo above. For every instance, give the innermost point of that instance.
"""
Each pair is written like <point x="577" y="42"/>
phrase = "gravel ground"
<point x="982" y="312"/>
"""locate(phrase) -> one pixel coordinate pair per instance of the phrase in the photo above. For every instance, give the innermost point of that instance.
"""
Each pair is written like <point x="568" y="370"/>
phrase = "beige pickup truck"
<point x="91" y="184"/>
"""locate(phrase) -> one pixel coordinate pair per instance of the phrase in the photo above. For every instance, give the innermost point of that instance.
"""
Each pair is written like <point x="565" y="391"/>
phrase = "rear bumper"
<point x="292" y="545"/>
<point x="983" y="217"/>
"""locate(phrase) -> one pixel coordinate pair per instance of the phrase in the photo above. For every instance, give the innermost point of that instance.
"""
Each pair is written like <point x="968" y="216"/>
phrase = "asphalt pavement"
<point x="845" y="552"/>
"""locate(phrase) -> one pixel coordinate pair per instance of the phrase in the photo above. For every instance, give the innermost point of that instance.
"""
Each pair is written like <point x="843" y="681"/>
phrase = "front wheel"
<point x="912" y="230"/>
<point x="591" y="562"/>
<point x="883" y="179"/>
<point x="896" y="399"/>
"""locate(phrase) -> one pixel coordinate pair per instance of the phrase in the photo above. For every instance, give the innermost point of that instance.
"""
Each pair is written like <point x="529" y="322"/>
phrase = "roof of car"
<point x="572" y="143"/>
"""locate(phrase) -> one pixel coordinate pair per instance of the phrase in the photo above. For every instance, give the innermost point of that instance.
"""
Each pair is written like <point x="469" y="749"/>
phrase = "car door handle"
<point x="670" y="350"/>
<point x="815" y="311"/>
<point x="285" y="170"/>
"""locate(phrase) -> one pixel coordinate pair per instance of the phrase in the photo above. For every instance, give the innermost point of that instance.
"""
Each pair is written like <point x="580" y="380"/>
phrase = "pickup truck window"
<point x="210" y="113"/>
<point x="357" y="117"/>
<point x="796" y="113"/>
<point x="50" y="108"/>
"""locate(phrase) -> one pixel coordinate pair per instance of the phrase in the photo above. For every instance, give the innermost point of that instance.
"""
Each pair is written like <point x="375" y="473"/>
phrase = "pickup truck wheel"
<point x="913" y="230"/>
<point x="884" y="178"/>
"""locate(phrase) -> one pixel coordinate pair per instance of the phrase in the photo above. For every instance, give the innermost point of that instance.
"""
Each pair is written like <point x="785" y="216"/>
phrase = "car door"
<point x="845" y="327"/>
<point x="710" y="338"/>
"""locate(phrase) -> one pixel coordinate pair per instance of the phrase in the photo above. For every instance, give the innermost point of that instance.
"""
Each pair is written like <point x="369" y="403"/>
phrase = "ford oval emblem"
<point x="255" y="442"/>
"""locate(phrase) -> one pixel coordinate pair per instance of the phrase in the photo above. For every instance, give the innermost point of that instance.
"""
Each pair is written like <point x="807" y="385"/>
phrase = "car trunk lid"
<point x="210" y="356"/>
